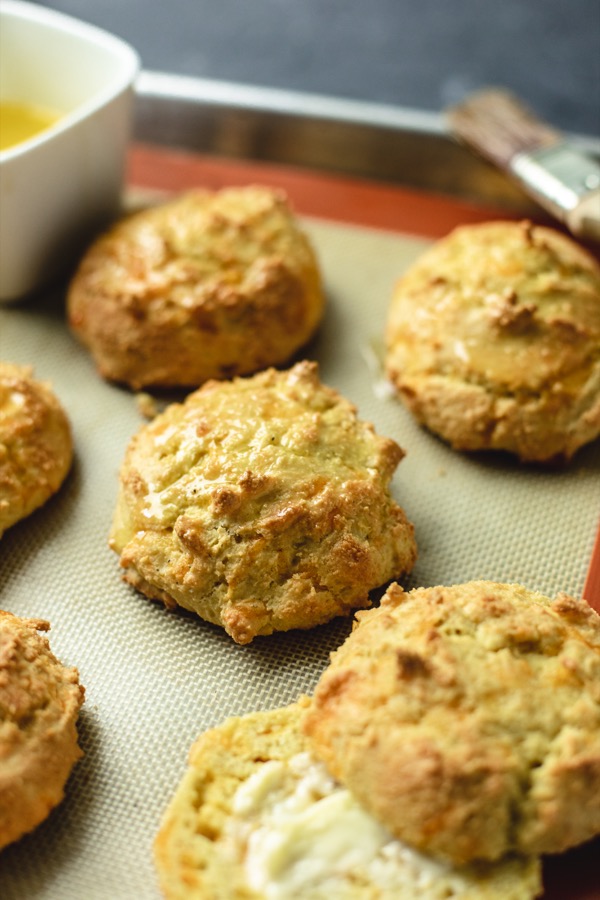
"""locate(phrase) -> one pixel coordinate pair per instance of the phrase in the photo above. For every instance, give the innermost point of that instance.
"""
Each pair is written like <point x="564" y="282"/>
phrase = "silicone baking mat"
<point x="155" y="679"/>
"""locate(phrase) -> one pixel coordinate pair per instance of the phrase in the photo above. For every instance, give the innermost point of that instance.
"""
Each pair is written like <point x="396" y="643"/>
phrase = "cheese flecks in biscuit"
<point x="467" y="719"/>
<point x="257" y="816"/>
<point x="36" y="448"/>
<point x="39" y="704"/>
<point x="493" y="341"/>
<point x="207" y="285"/>
<point x="262" y="504"/>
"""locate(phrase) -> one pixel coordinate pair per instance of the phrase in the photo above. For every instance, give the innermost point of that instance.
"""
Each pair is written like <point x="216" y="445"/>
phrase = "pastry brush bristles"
<point x="498" y="126"/>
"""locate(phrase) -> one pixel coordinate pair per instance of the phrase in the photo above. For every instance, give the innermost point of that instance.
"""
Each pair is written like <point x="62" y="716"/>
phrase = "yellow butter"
<point x="21" y="121"/>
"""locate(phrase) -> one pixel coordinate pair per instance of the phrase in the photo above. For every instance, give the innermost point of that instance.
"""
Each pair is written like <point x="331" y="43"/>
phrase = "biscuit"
<point x="262" y="504"/>
<point x="493" y="341"/>
<point x="36" y="448"/>
<point x="39" y="704"/>
<point x="467" y="719"/>
<point x="207" y="285"/>
<point x="257" y="816"/>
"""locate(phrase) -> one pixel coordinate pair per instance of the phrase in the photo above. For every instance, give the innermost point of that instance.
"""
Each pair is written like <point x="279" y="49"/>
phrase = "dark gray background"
<point x="416" y="53"/>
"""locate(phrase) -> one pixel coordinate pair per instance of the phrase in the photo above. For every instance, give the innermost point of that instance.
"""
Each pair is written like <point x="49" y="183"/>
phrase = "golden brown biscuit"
<point x="207" y="285"/>
<point x="493" y="341"/>
<point x="262" y="504"/>
<point x="39" y="704"/>
<point x="256" y="816"/>
<point x="36" y="448"/>
<point x="467" y="719"/>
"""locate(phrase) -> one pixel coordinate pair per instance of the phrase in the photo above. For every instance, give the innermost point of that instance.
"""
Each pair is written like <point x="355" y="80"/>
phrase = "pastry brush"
<point x="498" y="127"/>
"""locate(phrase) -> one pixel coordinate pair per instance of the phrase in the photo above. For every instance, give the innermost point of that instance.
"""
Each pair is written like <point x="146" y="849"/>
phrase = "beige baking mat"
<point x="154" y="680"/>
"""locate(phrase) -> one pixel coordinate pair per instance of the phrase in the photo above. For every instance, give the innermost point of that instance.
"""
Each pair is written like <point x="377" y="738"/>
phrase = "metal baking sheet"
<point x="154" y="680"/>
<point x="392" y="144"/>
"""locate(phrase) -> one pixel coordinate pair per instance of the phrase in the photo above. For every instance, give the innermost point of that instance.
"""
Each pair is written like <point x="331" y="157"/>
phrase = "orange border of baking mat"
<point x="591" y="589"/>
<point x="335" y="197"/>
<point x="340" y="198"/>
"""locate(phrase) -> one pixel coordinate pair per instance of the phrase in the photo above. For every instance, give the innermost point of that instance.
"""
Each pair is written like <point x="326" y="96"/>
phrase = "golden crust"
<point x="493" y="341"/>
<point x="36" y="448"/>
<point x="262" y="504"/>
<point x="208" y="285"/>
<point x="39" y="704"/>
<point x="467" y="719"/>
<point x="193" y="851"/>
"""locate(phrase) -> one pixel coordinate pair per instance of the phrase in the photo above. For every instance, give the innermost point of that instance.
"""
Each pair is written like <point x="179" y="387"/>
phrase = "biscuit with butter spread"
<point x="262" y="504"/>
<point x="205" y="285"/>
<point x="256" y="816"/>
<point x="40" y="700"/>
<point x="36" y="447"/>
<point x="493" y="341"/>
<point x="467" y="719"/>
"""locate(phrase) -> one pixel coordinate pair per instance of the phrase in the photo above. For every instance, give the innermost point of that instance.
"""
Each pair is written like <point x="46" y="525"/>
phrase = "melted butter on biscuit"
<point x="11" y="402"/>
<point x="154" y="508"/>
<point x="301" y="834"/>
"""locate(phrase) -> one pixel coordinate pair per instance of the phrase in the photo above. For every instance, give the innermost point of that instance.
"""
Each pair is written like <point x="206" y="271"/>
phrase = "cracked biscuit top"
<point x="467" y="719"/>
<point x="493" y="340"/>
<point x="36" y="447"/>
<point x="262" y="504"/>
<point x="205" y="285"/>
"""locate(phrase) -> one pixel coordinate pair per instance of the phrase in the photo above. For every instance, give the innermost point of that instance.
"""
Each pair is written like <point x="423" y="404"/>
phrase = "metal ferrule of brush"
<point x="561" y="179"/>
